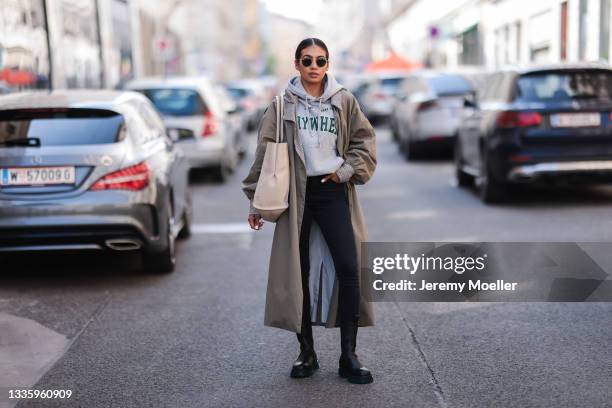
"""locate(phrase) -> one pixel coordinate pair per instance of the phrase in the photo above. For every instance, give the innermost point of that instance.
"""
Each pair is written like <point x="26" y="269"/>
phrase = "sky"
<point x="299" y="9"/>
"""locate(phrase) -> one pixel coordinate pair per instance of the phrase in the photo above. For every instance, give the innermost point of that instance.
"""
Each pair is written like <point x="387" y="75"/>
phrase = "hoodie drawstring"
<point x="309" y="119"/>
<point x="320" y="113"/>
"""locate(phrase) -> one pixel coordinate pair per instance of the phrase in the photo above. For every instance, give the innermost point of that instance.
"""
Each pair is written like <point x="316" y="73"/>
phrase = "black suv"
<point x="540" y="124"/>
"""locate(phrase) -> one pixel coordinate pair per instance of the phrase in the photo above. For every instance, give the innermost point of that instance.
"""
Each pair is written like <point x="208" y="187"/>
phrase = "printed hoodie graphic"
<point x="317" y="127"/>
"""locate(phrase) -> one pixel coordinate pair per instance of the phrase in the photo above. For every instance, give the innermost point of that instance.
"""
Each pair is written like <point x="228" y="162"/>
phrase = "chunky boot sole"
<point x="355" y="379"/>
<point x="302" y="372"/>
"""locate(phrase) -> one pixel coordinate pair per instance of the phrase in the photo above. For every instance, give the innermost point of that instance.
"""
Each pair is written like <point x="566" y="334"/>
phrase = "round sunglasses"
<point x="321" y="61"/>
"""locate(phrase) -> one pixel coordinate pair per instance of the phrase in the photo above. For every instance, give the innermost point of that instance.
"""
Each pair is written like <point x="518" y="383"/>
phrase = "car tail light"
<point x="130" y="178"/>
<point x="427" y="105"/>
<point x="510" y="119"/>
<point x="379" y="95"/>
<point x="520" y="158"/>
<point x="210" y="124"/>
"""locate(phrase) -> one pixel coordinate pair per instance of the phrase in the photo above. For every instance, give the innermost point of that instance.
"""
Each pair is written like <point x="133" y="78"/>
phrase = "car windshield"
<point x="176" y="101"/>
<point x="449" y="85"/>
<point x="569" y="85"/>
<point x="391" y="83"/>
<point x="238" y="93"/>
<point x="59" y="128"/>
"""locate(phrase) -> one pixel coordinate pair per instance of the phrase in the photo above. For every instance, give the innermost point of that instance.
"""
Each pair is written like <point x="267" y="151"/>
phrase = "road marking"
<point x="28" y="349"/>
<point x="411" y="215"/>
<point x="226" y="228"/>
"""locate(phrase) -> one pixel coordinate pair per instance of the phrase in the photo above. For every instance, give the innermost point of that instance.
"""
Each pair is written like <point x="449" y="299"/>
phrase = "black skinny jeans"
<point x="327" y="203"/>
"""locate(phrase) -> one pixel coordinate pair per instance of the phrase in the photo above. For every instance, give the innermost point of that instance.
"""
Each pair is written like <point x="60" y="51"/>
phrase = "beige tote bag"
<point x="272" y="192"/>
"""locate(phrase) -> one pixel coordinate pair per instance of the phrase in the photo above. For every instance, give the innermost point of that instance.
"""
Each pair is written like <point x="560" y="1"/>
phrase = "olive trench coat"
<point x="356" y="144"/>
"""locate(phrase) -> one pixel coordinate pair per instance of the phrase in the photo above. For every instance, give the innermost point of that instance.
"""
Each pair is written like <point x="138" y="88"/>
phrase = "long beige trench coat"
<point x="356" y="144"/>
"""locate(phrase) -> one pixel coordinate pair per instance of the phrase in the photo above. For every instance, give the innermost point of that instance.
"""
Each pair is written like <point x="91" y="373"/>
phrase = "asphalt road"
<point x="116" y="337"/>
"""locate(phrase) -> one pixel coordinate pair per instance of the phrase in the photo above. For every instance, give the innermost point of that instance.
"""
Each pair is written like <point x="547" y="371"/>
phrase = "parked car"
<point x="238" y="118"/>
<point x="358" y="85"/>
<point x="537" y="125"/>
<point x="5" y="88"/>
<point x="192" y="109"/>
<point x="83" y="170"/>
<point x="428" y="111"/>
<point x="253" y="96"/>
<point x="377" y="94"/>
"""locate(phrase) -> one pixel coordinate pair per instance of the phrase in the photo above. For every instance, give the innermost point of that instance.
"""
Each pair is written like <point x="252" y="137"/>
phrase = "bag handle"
<point x="279" y="118"/>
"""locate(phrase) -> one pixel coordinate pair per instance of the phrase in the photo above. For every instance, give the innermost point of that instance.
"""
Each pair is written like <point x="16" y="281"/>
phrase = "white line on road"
<point x="226" y="228"/>
<point x="411" y="215"/>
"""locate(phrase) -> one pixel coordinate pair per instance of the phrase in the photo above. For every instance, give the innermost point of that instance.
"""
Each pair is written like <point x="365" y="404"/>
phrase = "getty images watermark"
<point x="486" y="271"/>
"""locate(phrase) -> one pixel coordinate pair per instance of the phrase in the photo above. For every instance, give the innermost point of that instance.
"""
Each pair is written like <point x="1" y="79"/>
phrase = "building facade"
<point x="494" y="33"/>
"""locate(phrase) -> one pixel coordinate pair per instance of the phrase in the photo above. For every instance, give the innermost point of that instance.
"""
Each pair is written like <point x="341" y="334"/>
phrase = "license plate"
<point x="35" y="176"/>
<point x="575" y="119"/>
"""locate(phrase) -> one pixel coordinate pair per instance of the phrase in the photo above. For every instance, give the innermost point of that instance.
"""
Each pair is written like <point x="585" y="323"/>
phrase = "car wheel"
<point x="163" y="261"/>
<point x="187" y="218"/>
<point x="491" y="189"/>
<point x="394" y="134"/>
<point x="412" y="151"/>
<point x="221" y="173"/>
<point x="462" y="178"/>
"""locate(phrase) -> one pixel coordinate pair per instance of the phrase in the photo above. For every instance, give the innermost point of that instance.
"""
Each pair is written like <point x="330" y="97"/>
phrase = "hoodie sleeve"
<point x="266" y="133"/>
<point x="360" y="161"/>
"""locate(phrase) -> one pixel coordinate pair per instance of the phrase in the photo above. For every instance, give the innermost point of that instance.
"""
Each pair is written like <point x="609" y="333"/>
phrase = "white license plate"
<point x="34" y="176"/>
<point x="575" y="119"/>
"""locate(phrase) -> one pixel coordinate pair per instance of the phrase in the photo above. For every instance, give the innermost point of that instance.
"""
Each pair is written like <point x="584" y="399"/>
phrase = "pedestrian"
<point x="313" y="276"/>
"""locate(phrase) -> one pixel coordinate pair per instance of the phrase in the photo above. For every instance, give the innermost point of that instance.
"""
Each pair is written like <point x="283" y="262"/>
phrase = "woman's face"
<point x="312" y="74"/>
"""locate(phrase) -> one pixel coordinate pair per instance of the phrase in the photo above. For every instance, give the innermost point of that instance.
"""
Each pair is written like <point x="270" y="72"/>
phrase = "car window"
<point x="238" y="93"/>
<point x="176" y="101"/>
<point x="61" y="128"/>
<point x="449" y="85"/>
<point x="392" y="83"/>
<point x="565" y="85"/>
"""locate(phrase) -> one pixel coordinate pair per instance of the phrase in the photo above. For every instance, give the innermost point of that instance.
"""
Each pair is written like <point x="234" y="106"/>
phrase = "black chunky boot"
<point x="349" y="365"/>
<point x="307" y="362"/>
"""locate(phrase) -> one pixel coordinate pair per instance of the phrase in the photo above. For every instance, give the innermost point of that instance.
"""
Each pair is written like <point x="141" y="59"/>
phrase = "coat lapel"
<point x="289" y="114"/>
<point x="336" y="101"/>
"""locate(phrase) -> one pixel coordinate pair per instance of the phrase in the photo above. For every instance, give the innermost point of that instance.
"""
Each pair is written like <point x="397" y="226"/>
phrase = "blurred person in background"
<point x="317" y="240"/>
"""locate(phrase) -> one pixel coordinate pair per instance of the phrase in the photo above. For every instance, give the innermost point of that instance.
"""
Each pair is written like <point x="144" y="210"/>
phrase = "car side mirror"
<point x="469" y="101"/>
<point x="173" y="135"/>
<point x="235" y="109"/>
<point x="401" y="96"/>
<point x="179" y="134"/>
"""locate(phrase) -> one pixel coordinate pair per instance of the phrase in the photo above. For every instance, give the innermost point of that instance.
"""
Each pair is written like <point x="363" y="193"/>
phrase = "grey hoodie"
<point x="317" y="128"/>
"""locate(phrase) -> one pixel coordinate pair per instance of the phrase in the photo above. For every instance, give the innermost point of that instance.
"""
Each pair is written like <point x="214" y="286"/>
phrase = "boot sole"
<point x="355" y="379"/>
<point x="303" y="372"/>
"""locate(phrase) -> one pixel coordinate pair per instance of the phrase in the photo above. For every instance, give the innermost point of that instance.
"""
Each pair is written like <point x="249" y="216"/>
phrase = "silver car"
<point x="428" y="112"/>
<point x="90" y="170"/>
<point x="192" y="109"/>
<point x="377" y="95"/>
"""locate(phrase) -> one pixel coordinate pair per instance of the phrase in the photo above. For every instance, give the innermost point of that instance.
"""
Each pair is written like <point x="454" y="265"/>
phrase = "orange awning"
<point x="16" y="77"/>
<point x="392" y="63"/>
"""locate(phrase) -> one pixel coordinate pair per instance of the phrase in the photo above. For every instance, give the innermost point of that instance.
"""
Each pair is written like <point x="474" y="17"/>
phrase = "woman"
<point x="313" y="276"/>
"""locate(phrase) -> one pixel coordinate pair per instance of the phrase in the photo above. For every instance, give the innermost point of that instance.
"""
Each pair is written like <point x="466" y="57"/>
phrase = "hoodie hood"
<point x="331" y="88"/>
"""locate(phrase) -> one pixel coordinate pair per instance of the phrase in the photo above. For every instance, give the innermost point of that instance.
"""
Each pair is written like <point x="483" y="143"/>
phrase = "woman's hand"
<point x="333" y="177"/>
<point x="255" y="221"/>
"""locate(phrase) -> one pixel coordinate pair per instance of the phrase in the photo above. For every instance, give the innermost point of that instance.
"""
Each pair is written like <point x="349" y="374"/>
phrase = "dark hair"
<point x="308" y="42"/>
